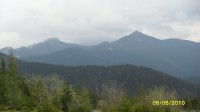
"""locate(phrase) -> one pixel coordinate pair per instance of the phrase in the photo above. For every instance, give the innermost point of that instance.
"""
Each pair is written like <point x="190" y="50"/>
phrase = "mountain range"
<point x="177" y="57"/>
<point x="48" y="46"/>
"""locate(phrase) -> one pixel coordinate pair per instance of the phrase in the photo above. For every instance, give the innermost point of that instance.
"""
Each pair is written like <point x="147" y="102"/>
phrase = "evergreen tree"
<point x="14" y="91"/>
<point x="66" y="98"/>
<point x="3" y="90"/>
<point x="3" y="64"/>
<point x="28" y="101"/>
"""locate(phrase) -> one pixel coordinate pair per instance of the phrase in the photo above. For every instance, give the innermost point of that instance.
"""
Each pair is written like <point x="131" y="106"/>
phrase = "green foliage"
<point x="49" y="108"/>
<point x="144" y="102"/>
<point x="125" y="106"/>
<point x="191" y="104"/>
<point x="80" y="100"/>
<point x="111" y="96"/>
<point x="2" y="87"/>
<point x="3" y="81"/>
<point x="130" y="76"/>
<point x="3" y="64"/>
<point x="14" y="91"/>
<point x="40" y="93"/>
<point x="66" y="97"/>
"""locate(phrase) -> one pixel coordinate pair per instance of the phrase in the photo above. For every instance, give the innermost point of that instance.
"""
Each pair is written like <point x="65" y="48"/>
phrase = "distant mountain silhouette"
<point x="48" y="46"/>
<point x="174" y="56"/>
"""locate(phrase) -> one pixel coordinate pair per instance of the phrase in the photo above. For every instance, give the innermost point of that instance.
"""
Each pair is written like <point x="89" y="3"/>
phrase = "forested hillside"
<point x="45" y="88"/>
<point x="130" y="77"/>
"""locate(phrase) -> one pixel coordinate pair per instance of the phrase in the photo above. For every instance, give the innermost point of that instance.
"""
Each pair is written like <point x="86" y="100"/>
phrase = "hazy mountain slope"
<point x="174" y="56"/>
<point x="70" y="56"/>
<point x="177" y="57"/>
<point x="193" y="79"/>
<point x="48" y="46"/>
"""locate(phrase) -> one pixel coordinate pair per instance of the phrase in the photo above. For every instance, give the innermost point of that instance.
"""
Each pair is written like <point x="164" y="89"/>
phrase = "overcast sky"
<point x="88" y="22"/>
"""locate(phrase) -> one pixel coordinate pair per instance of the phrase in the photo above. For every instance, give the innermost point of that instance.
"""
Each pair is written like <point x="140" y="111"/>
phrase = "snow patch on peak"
<point x="31" y="46"/>
<point x="138" y="39"/>
<point x="110" y="48"/>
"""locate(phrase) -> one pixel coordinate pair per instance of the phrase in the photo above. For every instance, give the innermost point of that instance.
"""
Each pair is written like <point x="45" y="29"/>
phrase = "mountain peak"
<point x="6" y="50"/>
<point x="140" y="36"/>
<point x="137" y="37"/>
<point x="53" y="39"/>
<point x="137" y="34"/>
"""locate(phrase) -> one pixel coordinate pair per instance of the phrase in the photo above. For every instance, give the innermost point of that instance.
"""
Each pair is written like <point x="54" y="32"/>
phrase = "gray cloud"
<point x="23" y="22"/>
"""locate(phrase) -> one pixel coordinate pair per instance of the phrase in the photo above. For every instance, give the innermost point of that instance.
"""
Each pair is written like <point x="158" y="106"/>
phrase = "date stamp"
<point x="168" y="103"/>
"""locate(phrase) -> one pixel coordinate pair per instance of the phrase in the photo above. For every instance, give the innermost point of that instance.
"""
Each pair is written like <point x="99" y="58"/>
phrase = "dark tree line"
<point x="129" y="76"/>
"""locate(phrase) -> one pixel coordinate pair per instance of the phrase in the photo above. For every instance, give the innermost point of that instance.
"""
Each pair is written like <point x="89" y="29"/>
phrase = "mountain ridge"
<point x="47" y="46"/>
<point x="138" y="36"/>
<point x="174" y="56"/>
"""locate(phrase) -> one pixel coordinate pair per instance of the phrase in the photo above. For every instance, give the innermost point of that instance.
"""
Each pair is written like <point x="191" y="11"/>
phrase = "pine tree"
<point x="3" y="99"/>
<point x="27" y="97"/>
<point x="14" y="91"/>
<point x="3" y="65"/>
<point x="66" y="98"/>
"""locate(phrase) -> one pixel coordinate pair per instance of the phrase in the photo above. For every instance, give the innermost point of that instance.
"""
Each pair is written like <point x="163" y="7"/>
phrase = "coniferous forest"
<point x="55" y="93"/>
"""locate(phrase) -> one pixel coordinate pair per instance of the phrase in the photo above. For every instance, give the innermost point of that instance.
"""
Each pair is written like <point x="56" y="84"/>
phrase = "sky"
<point x="89" y="22"/>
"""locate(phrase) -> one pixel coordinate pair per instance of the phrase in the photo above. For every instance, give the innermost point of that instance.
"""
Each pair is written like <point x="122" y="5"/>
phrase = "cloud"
<point x="23" y="22"/>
